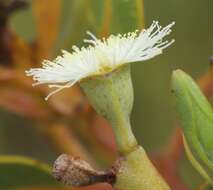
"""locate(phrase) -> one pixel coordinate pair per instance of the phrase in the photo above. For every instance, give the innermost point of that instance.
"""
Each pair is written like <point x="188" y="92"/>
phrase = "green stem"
<point x="119" y="120"/>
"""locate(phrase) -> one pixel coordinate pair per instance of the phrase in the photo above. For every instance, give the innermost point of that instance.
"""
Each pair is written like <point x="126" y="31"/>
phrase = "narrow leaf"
<point x="20" y="171"/>
<point x="100" y="17"/>
<point x="196" y="118"/>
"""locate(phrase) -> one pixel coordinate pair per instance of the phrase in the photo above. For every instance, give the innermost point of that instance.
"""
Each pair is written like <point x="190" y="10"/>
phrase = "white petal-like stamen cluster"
<point x="101" y="57"/>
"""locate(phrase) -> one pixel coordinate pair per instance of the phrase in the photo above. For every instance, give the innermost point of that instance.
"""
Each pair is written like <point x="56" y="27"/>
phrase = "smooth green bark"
<point x="137" y="173"/>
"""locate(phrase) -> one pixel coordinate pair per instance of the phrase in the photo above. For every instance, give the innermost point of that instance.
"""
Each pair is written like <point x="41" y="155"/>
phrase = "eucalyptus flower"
<point x="103" y="72"/>
<point x="101" y="57"/>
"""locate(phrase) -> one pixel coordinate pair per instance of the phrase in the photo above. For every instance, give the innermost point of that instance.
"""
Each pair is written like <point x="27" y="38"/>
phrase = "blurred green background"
<point x="153" y="116"/>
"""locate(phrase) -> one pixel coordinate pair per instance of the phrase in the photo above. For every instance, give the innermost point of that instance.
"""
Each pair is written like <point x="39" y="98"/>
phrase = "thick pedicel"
<point x="137" y="169"/>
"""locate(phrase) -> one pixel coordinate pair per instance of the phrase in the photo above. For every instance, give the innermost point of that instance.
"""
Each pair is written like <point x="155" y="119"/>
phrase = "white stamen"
<point x="110" y="53"/>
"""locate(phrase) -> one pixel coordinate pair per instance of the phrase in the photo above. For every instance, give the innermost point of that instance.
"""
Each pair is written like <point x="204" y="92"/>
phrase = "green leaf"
<point x="129" y="17"/>
<point x="18" y="172"/>
<point x="100" y="17"/>
<point x="74" y="23"/>
<point x="196" y="116"/>
<point x="20" y="20"/>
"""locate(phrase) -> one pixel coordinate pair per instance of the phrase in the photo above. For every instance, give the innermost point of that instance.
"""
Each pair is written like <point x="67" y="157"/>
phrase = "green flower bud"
<point x="196" y="118"/>
<point x="112" y="97"/>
